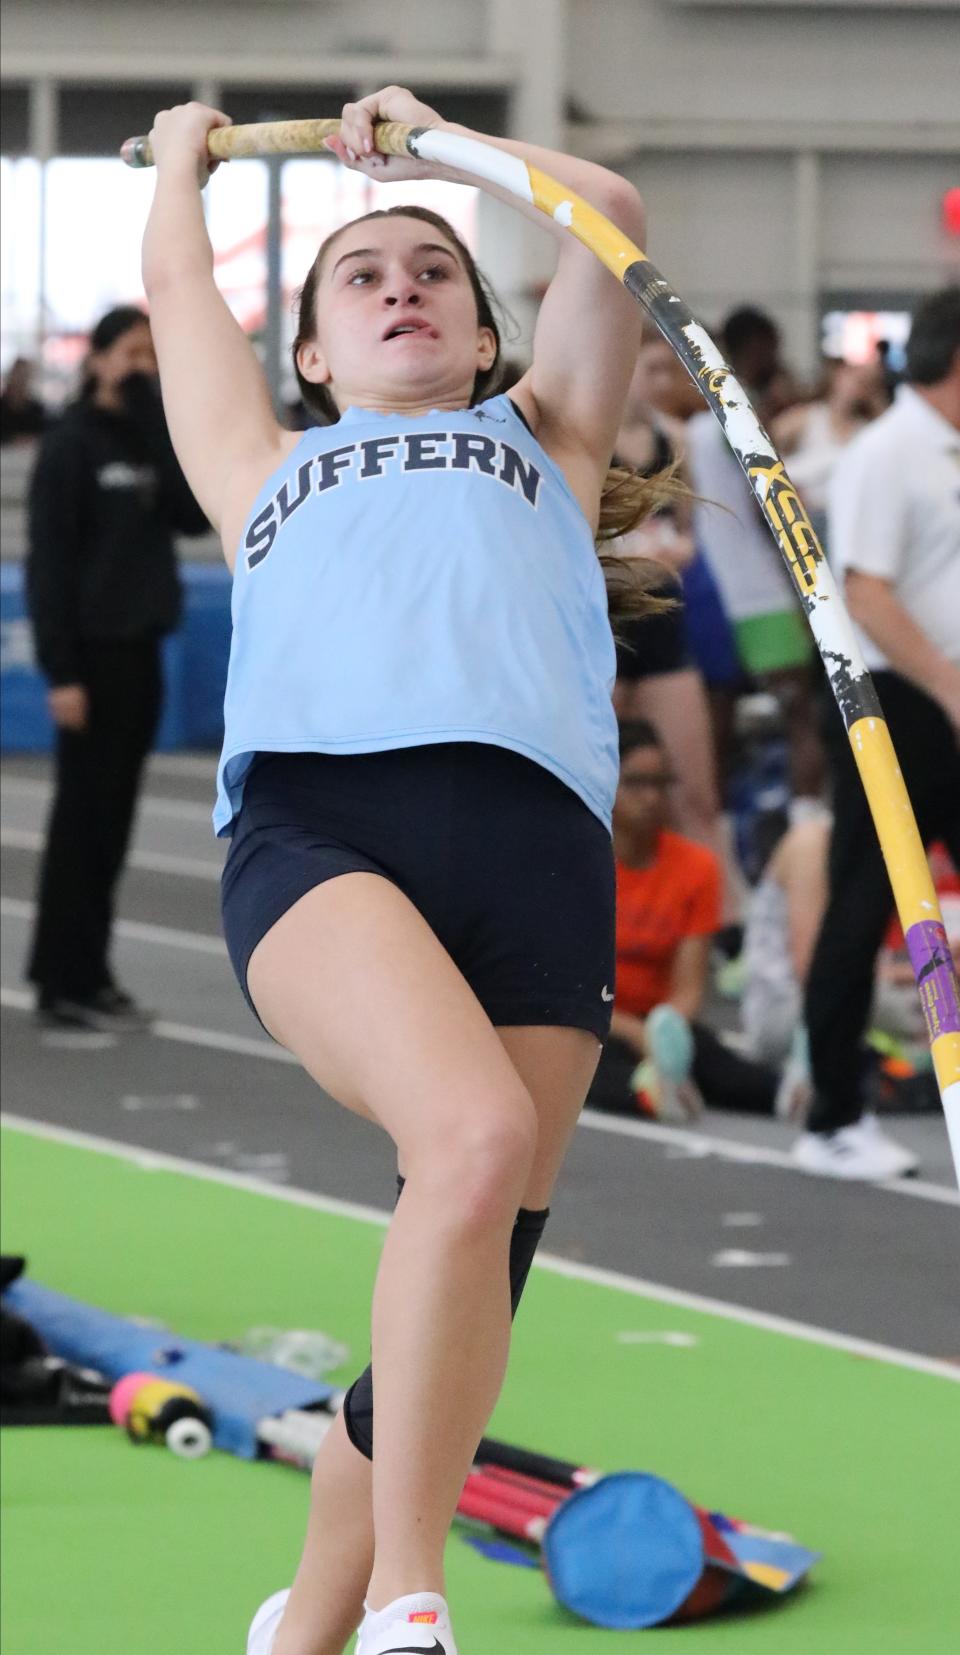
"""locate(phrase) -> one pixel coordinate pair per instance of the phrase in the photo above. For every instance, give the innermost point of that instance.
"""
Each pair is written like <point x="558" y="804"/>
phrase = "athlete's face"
<point x="642" y="805"/>
<point x="397" y="320"/>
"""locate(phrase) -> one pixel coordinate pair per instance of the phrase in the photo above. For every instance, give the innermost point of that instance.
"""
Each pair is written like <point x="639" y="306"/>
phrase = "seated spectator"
<point x="784" y="915"/>
<point x="22" y="415"/>
<point x="783" y="919"/>
<point x="660" y="1057"/>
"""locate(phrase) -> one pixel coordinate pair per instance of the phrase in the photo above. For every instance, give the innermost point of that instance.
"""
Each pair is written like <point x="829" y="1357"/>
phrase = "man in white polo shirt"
<point x="894" y="536"/>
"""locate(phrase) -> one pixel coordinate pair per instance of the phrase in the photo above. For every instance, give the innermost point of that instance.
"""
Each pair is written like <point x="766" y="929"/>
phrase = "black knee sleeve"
<point x="528" y="1230"/>
<point x="524" y="1241"/>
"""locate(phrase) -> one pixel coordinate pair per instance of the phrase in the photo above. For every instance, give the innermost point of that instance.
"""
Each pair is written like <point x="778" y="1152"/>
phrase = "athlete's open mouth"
<point x="400" y="329"/>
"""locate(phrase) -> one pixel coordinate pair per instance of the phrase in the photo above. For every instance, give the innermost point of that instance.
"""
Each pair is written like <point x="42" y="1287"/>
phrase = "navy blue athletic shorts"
<point x="510" y="869"/>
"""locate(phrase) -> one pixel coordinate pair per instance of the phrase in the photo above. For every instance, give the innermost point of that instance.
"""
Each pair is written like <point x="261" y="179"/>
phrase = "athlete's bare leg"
<point x="325" y="1606"/>
<point x="326" y="1603"/>
<point x="354" y="982"/>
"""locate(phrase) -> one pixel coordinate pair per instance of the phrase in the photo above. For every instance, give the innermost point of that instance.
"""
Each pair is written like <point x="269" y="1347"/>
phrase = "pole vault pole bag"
<point x="631" y="1552"/>
<point x="37" y="1388"/>
<point x="626" y="1553"/>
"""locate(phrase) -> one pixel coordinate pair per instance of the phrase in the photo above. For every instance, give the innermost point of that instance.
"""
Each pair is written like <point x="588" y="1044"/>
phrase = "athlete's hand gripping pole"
<point x="233" y="143"/>
<point x="782" y="507"/>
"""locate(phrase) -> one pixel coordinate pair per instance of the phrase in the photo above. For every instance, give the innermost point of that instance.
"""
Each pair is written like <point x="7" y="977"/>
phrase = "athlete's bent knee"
<point x="476" y="1170"/>
<point x="358" y="1403"/>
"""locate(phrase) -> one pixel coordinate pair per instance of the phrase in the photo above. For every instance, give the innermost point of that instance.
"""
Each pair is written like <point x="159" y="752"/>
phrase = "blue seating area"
<point x="195" y="660"/>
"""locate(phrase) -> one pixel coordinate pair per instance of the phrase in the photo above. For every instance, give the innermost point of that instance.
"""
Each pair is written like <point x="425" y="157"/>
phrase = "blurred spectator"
<point x="668" y="907"/>
<point x="22" y="415"/>
<point x="891" y="377"/>
<point x="686" y="697"/>
<point x="751" y="344"/>
<point x="812" y="435"/>
<point x="662" y="382"/>
<point x="656" y="679"/>
<point x="894" y="526"/>
<point x="105" y="499"/>
<point x="773" y="641"/>
<point x="783" y="920"/>
<point x="784" y="915"/>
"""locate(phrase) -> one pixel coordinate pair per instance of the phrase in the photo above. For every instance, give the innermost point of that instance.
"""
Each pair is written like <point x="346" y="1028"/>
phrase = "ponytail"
<point x="636" y="586"/>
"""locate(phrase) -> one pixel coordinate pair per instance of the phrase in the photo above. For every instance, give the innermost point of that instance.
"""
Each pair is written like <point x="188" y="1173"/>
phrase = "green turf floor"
<point x="113" y="1550"/>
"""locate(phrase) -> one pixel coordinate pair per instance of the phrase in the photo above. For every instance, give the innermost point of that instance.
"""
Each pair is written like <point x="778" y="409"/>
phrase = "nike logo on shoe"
<point x="436" y="1648"/>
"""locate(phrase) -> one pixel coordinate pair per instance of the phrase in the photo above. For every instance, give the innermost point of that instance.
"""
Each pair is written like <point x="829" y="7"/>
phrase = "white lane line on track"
<point x="243" y="1045"/>
<point x="150" y="1160"/>
<point x="148" y="804"/>
<point x="18" y="999"/>
<point x="131" y="930"/>
<point x="725" y="1149"/>
<point x="698" y="1145"/>
<point x="188" y="867"/>
<point x="740" y="1258"/>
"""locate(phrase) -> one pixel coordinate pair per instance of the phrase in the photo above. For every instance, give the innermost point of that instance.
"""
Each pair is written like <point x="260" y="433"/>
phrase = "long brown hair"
<point x="636" y="585"/>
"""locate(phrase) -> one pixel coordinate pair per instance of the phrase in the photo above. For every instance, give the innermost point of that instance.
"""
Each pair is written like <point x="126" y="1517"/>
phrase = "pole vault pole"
<point x="852" y="686"/>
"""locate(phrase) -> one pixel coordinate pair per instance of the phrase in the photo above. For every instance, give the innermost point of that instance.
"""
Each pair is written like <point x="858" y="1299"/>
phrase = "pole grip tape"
<point x="233" y="143"/>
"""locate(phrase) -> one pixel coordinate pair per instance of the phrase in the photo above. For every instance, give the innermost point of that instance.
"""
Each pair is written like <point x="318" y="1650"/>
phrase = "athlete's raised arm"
<point x="589" y="327"/>
<point x="214" y="392"/>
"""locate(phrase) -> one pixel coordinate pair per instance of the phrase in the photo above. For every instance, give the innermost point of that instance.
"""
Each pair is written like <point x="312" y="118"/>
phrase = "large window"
<point x="19" y="257"/>
<point x="72" y="233"/>
<point x="236" y="205"/>
<point x="95" y="211"/>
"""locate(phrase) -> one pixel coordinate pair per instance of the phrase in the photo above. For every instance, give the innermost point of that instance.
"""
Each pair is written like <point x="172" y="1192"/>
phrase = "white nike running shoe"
<point x="861" y="1152"/>
<point x="263" y="1627"/>
<point x="416" y="1625"/>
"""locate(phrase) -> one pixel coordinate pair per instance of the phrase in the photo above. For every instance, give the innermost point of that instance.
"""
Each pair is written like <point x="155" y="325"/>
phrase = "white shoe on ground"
<point x="862" y="1151"/>
<point x="415" y="1625"/>
<point x="263" y="1627"/>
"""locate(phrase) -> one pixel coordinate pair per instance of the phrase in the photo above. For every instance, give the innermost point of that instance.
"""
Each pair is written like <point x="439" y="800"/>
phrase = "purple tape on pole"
<point x="932" y="964"/>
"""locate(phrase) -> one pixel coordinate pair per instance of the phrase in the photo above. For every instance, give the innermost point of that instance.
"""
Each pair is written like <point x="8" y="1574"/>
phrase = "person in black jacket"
<point x="106" y="497"/>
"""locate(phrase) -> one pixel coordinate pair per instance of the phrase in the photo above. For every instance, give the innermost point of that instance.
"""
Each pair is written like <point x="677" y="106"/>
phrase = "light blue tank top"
<point x="403" y="581"/>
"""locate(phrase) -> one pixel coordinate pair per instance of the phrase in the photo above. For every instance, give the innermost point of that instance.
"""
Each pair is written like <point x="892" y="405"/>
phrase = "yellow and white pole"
<point x="782" y="507"/>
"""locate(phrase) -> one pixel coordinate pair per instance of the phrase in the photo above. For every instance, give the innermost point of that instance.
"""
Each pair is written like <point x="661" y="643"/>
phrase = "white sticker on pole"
<point x="483" y="160"/>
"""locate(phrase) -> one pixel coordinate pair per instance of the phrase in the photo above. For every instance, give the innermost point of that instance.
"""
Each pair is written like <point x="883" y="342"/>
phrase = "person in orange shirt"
<point x="660" y="1058"/>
